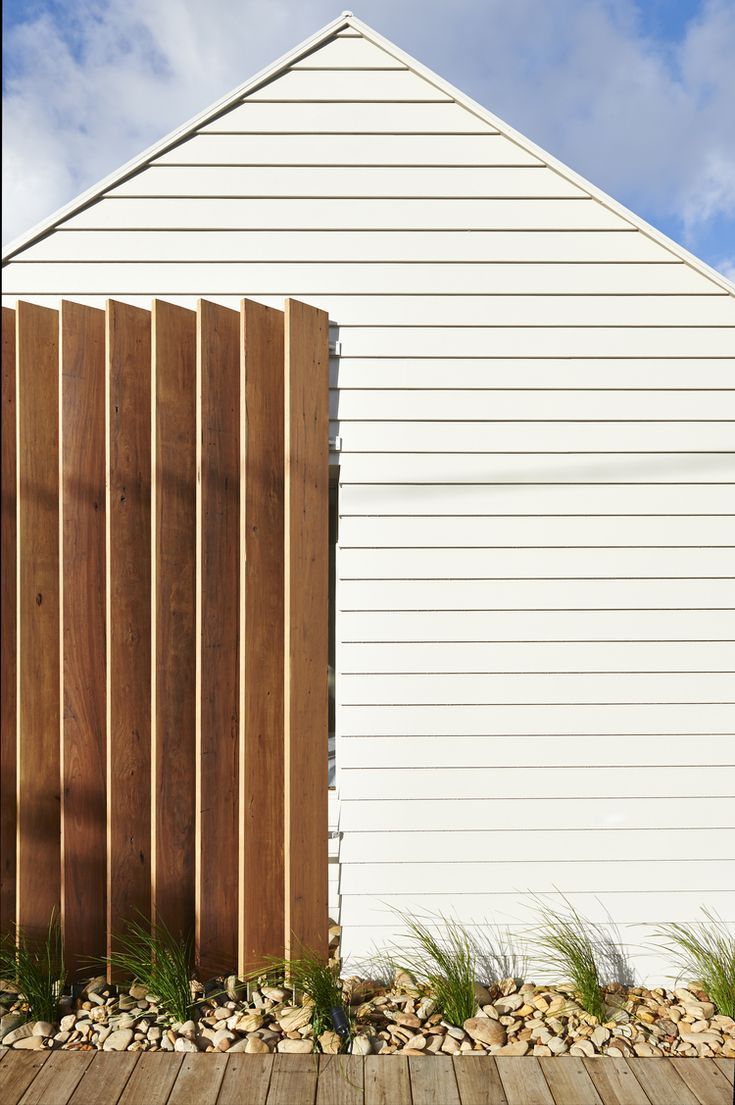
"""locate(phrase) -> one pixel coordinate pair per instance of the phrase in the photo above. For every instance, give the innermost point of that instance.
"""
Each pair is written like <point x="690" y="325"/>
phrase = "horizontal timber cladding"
<point x="315" y="180"/>
<point x="144" y="494"/>
<point x="532" y="413"/>
<point x="350" y="149"/>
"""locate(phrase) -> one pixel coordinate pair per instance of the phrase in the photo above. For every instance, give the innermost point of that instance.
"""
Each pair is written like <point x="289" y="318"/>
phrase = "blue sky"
<point x="637" y="95"/>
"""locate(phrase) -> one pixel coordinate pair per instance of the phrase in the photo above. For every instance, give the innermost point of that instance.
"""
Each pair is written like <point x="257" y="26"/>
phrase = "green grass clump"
<point x="569" y="945"/>
<point x="705" y="951"/>
<point x="444" y="958"/>
<point x="156" y="958"/>
<point x="36" y="965"/>
<point x="309" y="974"/>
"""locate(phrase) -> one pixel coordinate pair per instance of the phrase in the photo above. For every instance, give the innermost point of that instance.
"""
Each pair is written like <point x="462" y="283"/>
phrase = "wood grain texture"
<point x="173" y="713"/>
<point x="218" y="614"/>
<point x="523" y="1081"/>
<point x="704" y="1079"/>
<point x="152" y="1079"/>
<point x="306" y="625"/>
<point x="105" y="1078"/>
<point x="569" y="1081"/>
<point x="294" y="1079"/>
<point x="38" y="766"/>
<point x="261" y="929"/>
<point x="432" y="1080"/>
<point x="479" y="1083"/>
<point x="198" y="1080"/>
<point x="661" y="1083"/>
<point x="8" y="637"/>
<point x="246" y="1080"/>
<point x="17" y="1074"/>
<point x="58" y="1078"/>
<point x="615" y="1082"/>
<point x="727" y="1066"/>
<point x="129" y="613"/>
<point x="386" y="1079"/>
<point x="83" y="728"/>
<point x="340" y="1080"/>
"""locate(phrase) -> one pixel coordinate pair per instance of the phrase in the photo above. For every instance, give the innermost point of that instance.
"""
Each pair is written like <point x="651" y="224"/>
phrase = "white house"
<point x="533" y="427"/>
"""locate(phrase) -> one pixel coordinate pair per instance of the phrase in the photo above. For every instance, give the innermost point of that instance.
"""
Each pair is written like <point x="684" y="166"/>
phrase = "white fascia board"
<point x="230" y="100"/>
<point x="552" y="162"/>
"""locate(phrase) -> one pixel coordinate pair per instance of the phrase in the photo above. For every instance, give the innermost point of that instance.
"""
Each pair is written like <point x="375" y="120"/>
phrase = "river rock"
<point x="118" y="1041"/>
<point x="10" y="1022"/>
<point x="19" y="1033"/>
<point x="294" y="1018"/>
<point x="484" y="1031"/>
<point x="296" y="1047"/>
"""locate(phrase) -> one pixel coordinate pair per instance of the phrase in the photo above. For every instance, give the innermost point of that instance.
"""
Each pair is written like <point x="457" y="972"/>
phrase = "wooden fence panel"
<point x="218" y="570"/>
<point x="8" y="655"/>
<point x="306" y="625"/>
<point x="174" y="622"/>
<point x="129" y="613"/>
<point x="38" y="766"/>
<point x="261" y="597"/>
<point x="165" y="626"/>
<point x="83" y="728"/>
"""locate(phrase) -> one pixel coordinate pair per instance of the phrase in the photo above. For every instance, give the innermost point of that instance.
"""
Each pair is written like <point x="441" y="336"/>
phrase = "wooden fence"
<point x="165" y="492"/>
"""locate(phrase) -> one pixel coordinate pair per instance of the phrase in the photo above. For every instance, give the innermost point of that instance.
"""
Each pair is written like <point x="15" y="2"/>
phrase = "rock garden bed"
<point x="511" y="1017"/>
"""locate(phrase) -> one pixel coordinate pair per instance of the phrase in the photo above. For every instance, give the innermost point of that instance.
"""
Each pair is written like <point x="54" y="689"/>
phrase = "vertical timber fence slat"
<point x="262" y="748"/>
<point x="84" y="712"/>
<point x="129" y="614"/>
<point x="38" y="763"/>
<point x="8" y="651"/>
<point x="164" y="626"/>
<point x="306" y="625"/>
<point x="174" y="622"/>
<point x="218" y="373"/>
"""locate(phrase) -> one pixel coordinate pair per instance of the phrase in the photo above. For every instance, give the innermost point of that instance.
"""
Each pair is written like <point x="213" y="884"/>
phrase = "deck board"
<point x="152" y="1080"/>
<point x="387" y="1080"/>
<point x="433" y="1080"/>
<point x="615" y="1082"/>
<point x="105" y="1078"/>
<point x="246" y="1080"/>
<point x="293" y="1080"/>
<point x="705" y="1080"/>
<point x="523" y="1081"/>
<point x="569" y="1081"/>
<point x="17" y="1071"/>
<point x="662" y="1084"/>
<point x="341" y="1080"/>
<point x="57" y="1080"/>
<point x="159" y="1078"/>
<point x="479" y="1083"/>
<point x="727" y="1066"/>
<point x="199" y="1080"/>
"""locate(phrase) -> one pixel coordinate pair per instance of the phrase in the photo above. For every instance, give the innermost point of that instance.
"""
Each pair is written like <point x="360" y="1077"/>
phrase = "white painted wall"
<point x="536" y="551"/>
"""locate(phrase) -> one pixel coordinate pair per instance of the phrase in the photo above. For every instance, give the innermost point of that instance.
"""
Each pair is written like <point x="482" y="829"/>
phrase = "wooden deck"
<point x="159" y="1078"/>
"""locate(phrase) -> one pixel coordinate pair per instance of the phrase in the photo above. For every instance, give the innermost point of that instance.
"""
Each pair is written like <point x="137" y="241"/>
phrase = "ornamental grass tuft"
<point x="444" y="958"/>
<point x="36" y="965"/>
<point x="320" y="981"/>
<point x="704" y="951"/>
<point x="572" y="947"/>
<point x="154" y="957"/>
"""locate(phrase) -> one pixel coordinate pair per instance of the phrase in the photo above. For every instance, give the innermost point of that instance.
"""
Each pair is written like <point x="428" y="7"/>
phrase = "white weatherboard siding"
<point x="535" y="398"/>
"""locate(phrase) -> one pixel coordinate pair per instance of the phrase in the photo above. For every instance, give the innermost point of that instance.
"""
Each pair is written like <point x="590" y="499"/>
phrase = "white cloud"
<point x="652" y="123"/>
